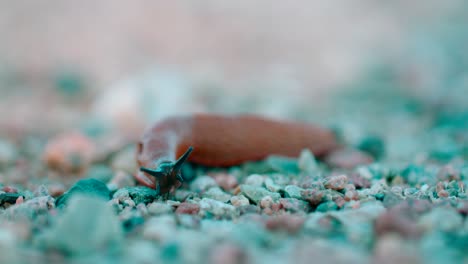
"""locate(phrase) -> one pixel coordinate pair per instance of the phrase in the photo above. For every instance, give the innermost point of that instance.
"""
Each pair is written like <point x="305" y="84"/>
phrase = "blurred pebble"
<point x="217" y="208"/>
<point x="187" y="208"/>
<point x="239" y="200"/>
<point x="255" y="180"/>
<point x="257" y="193"/>
<point x="160" y="228"/>
<point x="227" y="253"/>
<point x="287" y="222"/>
<point x="158" y="208"/>
<point x="86" y="219"/>
<point x="225" y="181"/>
<point x="313" y="196"/>
<point x="292" y="191"/>
<point x="70" y="153"/>
<point x="391" y="249"/>
<point x="217" y="194"/>
<point x="8" y="153"/>
<point x="306" y="162"/>
<point x="348" y="159"/>
<point x="336" y="182"/>
<point x="202" y="183"/>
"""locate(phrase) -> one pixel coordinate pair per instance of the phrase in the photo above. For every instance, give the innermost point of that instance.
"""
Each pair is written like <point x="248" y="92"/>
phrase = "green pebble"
<point x="87" y="187"/>
<point x="327" y="206"/>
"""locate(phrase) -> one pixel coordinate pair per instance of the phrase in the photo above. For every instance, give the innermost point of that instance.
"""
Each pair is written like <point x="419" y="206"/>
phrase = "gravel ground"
<point x="67" y="148"/>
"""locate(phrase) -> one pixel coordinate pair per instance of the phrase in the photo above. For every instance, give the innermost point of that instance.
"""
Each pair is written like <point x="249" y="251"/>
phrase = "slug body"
<point x="221" y="141"/>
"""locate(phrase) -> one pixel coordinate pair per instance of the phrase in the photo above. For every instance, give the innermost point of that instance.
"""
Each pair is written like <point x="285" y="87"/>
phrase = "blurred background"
<point x="118" y="66"/>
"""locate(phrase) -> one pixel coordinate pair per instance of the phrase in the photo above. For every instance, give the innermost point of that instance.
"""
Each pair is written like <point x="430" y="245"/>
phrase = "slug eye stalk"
<point x="166" y="169"/>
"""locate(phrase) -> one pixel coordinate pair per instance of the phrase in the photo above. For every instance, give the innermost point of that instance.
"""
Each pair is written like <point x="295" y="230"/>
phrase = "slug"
<point x="216" y="140"/>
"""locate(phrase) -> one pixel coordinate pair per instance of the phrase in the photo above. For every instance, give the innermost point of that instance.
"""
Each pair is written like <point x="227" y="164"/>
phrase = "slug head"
<point x="168" y="174"/>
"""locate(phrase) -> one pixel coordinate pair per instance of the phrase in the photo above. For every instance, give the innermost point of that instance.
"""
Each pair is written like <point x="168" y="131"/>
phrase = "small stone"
<point x="217" y="194"/>
<point x="160" y="228"/>
<point x="188" y="221"/>
<point x="292" y="224"/>
<point x="282" y="164"/>
<point x="351" y="195"/>
<point x="327" y="206"/>
<point x="226" y="181"/>
<point x="313" y="196"/>
<point x="202" y="183"/>
<point x="307" y="163"/>
<point x="56" y="189"/>
<point x="188" y="208"/>
<point x="348" y="159"/>
<point x="336" y="182"/>
<point x="257" y="193"/>
<point x="8" y="153"/>
<point x="397" y="220"/>
<point x="266" y="202"/>
<point x="70" y="153"/>
<point x="442" y="219"/>
<point x="272" y="186"/>
<point x="216" y="208"/>
<point x="139" y="194"/>
<point x="158" y="208"/>
<point x="227" y="253"/>
<point x="359" y="181"/>
<point x="239" y="200"/>
<point x="9" y="189"/>
<point x="86" y="219"/>
<point x="292" y="191"/>
<point x="255" y="180"/>
<point x="89" y="187"/>
<point x="393" y="249"/>
<point x="372" y="145"/>
<point x="294" y="205"/>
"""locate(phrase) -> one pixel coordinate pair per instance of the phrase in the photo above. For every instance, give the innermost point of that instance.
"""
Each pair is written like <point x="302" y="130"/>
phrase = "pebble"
<point x="87" y="219"/>
<point x="272" y="186"/>
<point x="216" y="208"/>
<point x="255" y="180"/>
<point x="160" y="228"/>
<point x="227" y="253"/>
<point x="337" y="183"/>
<point x="225" y="181"/>
<point x="187" y="208"/>
<point x="139" y="194"/>
<point x="291" y="224"/>
<point x="348" y="159"/>
<point x="217" y="194"/>
<point x="397" y="220"/>
<point x="256" y="194"/>
<point x="391" y="249"/>
<point x="294" y="205"/>
<point x="158" y="208"/>
<point x="313" y="196"/>
<point x="202" y="183"/>
<point x="307" y="162"/>
<point x="90" y="187"/>
<point x="239" y="200"/>
<point x="8" y="153"/>
<point x="327" y="206"/>
<point x="70" y="153"/>
<point x="292" y="191"/>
